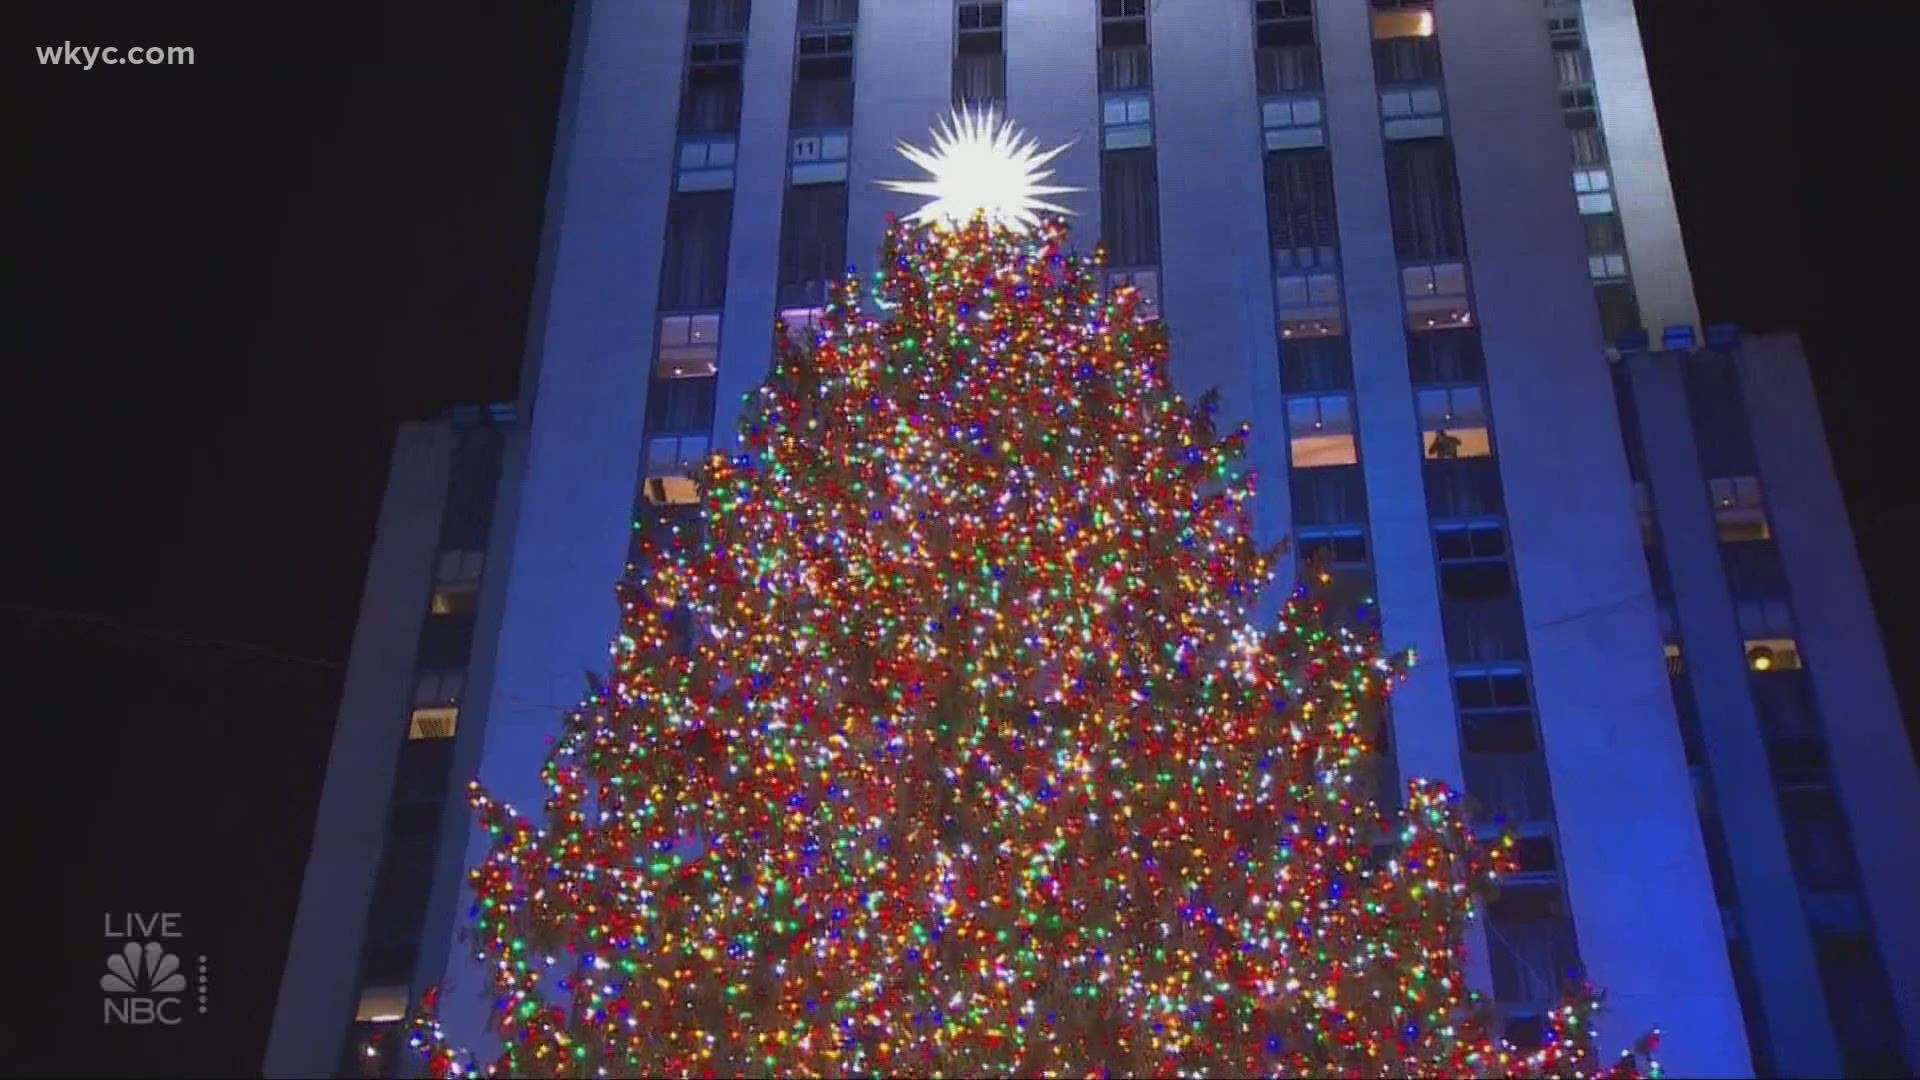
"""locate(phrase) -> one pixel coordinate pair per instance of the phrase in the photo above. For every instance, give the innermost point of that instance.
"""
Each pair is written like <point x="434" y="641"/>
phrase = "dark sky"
<point x="240" y="276"/>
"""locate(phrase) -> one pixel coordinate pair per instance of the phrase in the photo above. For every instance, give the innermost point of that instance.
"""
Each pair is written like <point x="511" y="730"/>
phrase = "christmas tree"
<point x="949" y="745"/>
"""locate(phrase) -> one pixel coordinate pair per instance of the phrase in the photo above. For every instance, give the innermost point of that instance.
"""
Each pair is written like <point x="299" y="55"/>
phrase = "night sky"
<point x="241" y="276"/>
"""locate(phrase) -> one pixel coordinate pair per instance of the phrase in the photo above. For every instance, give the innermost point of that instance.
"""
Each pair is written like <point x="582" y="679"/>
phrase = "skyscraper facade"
<point x="1429" y="248"/>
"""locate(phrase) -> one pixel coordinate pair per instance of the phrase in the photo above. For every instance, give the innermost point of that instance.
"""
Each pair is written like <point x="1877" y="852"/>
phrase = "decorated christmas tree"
<point x="948" y="744"/>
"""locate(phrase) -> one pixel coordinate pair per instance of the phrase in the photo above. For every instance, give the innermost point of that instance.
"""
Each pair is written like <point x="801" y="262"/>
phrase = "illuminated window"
<point x="1321" y="431"/>
<point x="672" y="464"/>
<point x="1773" y="654"/>
<point x="382" y="1005"/>
<point x="1739" y="508"/>
<point x="689" y="347"/>
<point x="1453" y="423"/>
<point x="433" y="722"/>
<point x="1393" y="19"/>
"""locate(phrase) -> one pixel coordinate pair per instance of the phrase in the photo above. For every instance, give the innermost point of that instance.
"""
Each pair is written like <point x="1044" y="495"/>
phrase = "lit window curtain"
<point x="1300" y="208"/>
<point x="695" y="271"/>
<point x="1426" y="207"/>
<point x="1127" y="192"/>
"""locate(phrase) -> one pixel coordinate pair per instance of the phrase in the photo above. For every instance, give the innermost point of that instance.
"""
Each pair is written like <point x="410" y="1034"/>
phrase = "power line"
<point x="174" y="637"/>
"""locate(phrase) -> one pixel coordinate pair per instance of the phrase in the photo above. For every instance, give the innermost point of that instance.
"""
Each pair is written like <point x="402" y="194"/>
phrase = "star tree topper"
<point x="981" y="163"/>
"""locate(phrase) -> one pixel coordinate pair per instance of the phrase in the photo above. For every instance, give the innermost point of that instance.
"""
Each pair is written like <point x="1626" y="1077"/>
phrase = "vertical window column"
<point x="1530" y="933"/>
<point x="1129" y="182"/>
<point x="1820" y="843"/>
<point x="693" y="271"/>
<point x="1592" y="174"/>
<point x="813" y="220"/>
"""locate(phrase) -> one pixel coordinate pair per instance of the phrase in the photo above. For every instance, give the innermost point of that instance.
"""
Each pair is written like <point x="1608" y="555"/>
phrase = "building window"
<point x="1462" y="488"/>
<point x="980" y="54"/>
<point x="1589" y="145"/>
<point x="818" y="157"/>
<point x="1301" y="226"/>
<point x="1486" y="631"/>
<point x="1125" y="59"/>
<point x="680" y="407"/>
<point x="1738" y="509"/>
<point x="1861" y="1006"/>
<point x="1402" y="20"/>
<point x="689" y="347"/>
<point x="1570" y="60"/>
<point x="1309" y="305"/>
<point x="1314" y="363"/>
<point x="1754" y="572"/>
<point x="1619" y="313"/>
<point x="802" y="325"/>
<point x="706" y="164"/>
<point x="1446" y="356"/>
<point x="673" y="467"/>
<point x="1126" y="121"/>
<point x="1453" y="423"/>
<point x="1530" y="946"/>
<point x="1129" y="217"/>
<point x="828" y="12"/>
<point x="1413" y="113"/>
<point x="693" y="273"/>
<point x="1284" y="57"/>
<point x="437" y="688"/>
<point x="381" y="1005"/>
<point x="710" y="17"/>
<point x="1464" y="542"/>
<point x="433" y="722"/>
<point x="1593" y="191"/>
<point x="1508" y="789"/>
<point x="1425" y="201"/>
<point x="456" y="582"/>
<point x="710" y="104"/>
<point x="823" y="82"/>
<point x="1144" y="282"/>
<point x="813" y="243"/>
<point x="1334" y="547"/>
<point x="1768" y="656"/>
<point x="1331" y="496"/>
<point x="1320" y="430"/>
<point x="1292" y="123"/>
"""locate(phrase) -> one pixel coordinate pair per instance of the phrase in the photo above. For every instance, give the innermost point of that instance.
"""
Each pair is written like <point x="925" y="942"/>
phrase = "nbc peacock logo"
<point x="144" y="983"/>
<point x="143" y="970"/>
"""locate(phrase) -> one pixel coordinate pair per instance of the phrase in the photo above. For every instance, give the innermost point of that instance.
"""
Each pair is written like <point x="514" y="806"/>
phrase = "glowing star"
<point x="981" y="163"/>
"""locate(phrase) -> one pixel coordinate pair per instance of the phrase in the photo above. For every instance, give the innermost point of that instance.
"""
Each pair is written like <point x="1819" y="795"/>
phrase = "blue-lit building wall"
<point x="1405" y="240"/>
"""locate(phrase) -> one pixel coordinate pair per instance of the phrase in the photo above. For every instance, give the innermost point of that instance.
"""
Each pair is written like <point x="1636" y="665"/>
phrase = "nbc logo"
<point x="132" y="970"/>
<point x="144" y="983"/>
